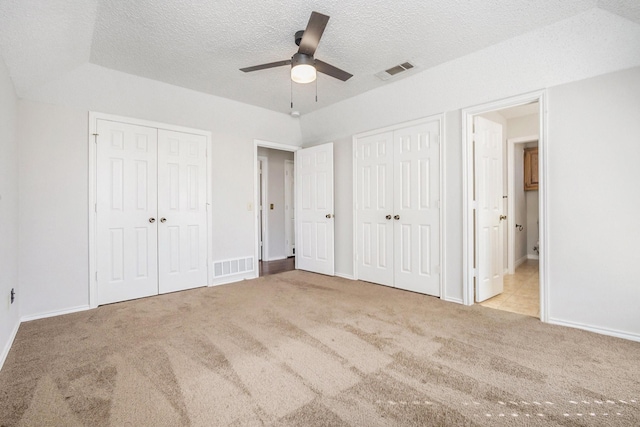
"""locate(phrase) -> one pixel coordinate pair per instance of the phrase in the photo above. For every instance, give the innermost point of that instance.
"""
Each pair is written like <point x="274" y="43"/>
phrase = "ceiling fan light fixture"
<point x="302" y="68"/>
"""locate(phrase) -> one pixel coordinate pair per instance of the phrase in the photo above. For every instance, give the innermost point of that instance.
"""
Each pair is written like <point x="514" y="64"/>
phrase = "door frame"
<point x="468" y="249"/>
<point x="256" y="194"/>
<point x="263" y="219"/>
<point x="93" y="190"/>
<point x="288" y="196"/>
<point x="442" y="193"/>
<point x="511" y="201"/>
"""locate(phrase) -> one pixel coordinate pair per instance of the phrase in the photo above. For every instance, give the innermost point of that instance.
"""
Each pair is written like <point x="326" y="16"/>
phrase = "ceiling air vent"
<point x="393" y="71"/>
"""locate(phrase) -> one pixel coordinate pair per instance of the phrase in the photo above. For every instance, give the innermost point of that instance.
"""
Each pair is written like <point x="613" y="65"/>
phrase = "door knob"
<point x="152" y="220"/>
<point x="163" y="220"/>
<point x="396" y="217"/>
<point x="503" y="217"/>
<point x="328" y="216"/>
<point x="388" y="216"/>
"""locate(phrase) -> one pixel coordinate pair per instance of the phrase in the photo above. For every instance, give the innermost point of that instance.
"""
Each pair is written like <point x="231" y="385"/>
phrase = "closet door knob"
<point x="163" y="220"/>
<point x="396" y="217"/>
<point x="388" y="216"/>
<point x="152" y="220"/>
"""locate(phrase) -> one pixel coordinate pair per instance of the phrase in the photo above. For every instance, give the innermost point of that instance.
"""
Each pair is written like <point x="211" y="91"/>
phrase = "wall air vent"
<point x="394" y="71"/>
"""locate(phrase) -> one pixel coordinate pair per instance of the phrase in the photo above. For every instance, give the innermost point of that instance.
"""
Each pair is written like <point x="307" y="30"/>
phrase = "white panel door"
<point x="416" y="208"/>
<point x="126" y="226"/>
<point x="489" y="230"/>
<point x="182" y="211"/>
<point x="374" y="206"/>
<point x="289" y="208"/>
<point x="314" y="209"/>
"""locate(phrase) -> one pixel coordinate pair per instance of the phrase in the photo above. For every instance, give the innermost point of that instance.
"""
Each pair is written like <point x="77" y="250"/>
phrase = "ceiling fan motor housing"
<point x="298" y="37"/>
<point x="301" y="58"/>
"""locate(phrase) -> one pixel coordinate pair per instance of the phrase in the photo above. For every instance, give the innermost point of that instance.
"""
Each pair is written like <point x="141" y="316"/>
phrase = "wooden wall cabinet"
<point x="530" y="168"/>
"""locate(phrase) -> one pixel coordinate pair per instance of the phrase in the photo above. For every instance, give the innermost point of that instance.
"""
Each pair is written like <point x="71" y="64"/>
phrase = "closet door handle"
<point x="152" y="220"/>
<point x="396" y="217"/>
<point x="163" y="220"/>
<point x="388" y="216"/>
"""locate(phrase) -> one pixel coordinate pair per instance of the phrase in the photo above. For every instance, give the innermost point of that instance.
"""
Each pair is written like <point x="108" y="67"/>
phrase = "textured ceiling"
<point x="201" y="45"/>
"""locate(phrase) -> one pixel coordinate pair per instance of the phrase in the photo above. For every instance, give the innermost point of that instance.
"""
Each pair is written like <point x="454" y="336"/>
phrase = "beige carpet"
<point x="299" y="349"/>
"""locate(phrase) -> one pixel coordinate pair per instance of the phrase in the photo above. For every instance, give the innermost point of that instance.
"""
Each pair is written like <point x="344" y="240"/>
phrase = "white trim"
<point x="225" y="280"/>
<point x="93" y="191"/>
<point x="511" y="209"/>
<point x="401" y="125"/>
<point x="277" y="146"/>
<point x="354" y="198"/>
<point x="454" y="300"/>
<point x="289" y="246"/>
<point x="443" y="208"/>
<point x="442" y="199"/>
<point x="519" y="262"/>
<point x="468" y="201"/>
<point x="345" y="276"/>
<point x="531" y="256"/>
<point x="278" y="258"/>
<point x="595" y="329"/>
<point x="55" y="313"/>
<point x="7" y="347"/>
<point x="264" y="190"/>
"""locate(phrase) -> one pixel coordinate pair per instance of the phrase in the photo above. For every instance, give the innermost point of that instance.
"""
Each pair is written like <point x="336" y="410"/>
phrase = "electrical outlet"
<point x="13" y="295"/>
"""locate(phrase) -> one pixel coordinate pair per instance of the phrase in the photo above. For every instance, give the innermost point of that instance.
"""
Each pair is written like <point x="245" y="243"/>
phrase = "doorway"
<point x="504" y="205"/>
<point x="275" y="213"/>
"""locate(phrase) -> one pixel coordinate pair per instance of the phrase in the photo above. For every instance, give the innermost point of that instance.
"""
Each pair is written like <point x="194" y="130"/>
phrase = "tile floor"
<point x="521" y="291"/>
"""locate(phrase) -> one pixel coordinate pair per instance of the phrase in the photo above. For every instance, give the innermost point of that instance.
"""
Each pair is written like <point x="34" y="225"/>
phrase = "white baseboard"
<point x="7" y="347"/>
<point x="520" y="261"/>
<point x="225" y="280"/>
<point x="344" y="276"/>
<point x="532" y="256"/>
<point x="454" y="300"/>
<point x="55" y="313"/>
<point x="597" y="330"/>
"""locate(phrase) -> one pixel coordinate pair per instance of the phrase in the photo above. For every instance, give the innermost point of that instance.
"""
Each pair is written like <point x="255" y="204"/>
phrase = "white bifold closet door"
<point x="398" y="212"/>
<point x="150" y="212"/>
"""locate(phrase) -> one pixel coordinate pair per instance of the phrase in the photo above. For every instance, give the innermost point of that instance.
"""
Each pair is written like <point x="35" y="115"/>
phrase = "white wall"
<point x="591" y="44"/>
<point x="593" y="202"/>
<point x="54" y="167"/>
<point x="9" y="313"/>
<point x="275" y="195"/>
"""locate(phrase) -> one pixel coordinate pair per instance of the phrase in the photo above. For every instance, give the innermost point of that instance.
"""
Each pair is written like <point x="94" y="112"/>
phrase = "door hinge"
<point x="95" y="207"/>
<point x="95" y="137"/>
<point x="96" y="276"/>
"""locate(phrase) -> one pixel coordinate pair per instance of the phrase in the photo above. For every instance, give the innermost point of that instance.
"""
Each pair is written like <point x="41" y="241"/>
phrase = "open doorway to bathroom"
<point x="506" y="221"/>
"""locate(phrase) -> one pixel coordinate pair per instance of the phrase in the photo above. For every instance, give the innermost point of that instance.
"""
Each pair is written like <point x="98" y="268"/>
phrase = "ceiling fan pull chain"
<point x="291" y="81"/>
<point x="316" y="90"/>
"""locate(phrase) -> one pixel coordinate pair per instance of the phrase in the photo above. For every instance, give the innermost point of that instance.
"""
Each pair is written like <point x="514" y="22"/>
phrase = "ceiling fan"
<point x="303" y="64"/>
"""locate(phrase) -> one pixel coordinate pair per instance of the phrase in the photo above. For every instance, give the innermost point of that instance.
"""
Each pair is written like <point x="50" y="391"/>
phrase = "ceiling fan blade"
<point x="332" y="71"/>
<point x="313" y="32"/>
<point x="265" y="66"/>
